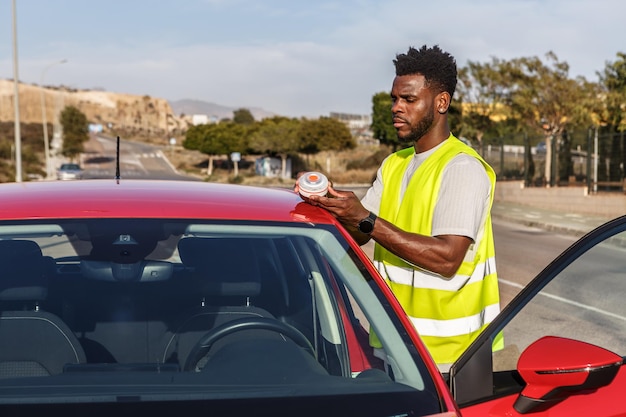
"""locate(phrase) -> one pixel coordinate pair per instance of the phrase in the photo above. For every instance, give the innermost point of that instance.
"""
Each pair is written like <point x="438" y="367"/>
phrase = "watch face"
<point x="366" y="226"/>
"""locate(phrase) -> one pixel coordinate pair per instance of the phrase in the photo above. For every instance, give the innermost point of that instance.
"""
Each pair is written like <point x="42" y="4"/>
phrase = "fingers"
<point x="333" y="192"/>
<point x="296" y="187"/>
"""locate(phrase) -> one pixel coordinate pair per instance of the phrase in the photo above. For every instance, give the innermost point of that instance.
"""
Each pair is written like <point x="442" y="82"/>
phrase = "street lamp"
<point x="16" y="103"/>
<point x="43" y="116"/>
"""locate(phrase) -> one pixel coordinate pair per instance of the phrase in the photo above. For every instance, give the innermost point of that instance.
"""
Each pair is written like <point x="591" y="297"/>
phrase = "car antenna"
<point x="117" y="161"/>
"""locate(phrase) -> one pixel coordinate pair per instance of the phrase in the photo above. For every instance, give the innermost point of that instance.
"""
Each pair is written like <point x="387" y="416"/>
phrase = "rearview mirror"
<point x="555" y="367"/>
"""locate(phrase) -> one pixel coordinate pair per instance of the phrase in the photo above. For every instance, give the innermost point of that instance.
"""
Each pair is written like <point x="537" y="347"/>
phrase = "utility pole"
<point x="16" y="101"/>
<point x="595" y="161"/>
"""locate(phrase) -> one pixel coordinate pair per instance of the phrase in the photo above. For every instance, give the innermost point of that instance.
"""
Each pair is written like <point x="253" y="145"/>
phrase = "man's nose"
<point x="395" y="106"/>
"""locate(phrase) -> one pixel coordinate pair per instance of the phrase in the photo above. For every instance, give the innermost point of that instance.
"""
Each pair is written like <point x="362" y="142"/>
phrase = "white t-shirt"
<point x="463" y="200"/>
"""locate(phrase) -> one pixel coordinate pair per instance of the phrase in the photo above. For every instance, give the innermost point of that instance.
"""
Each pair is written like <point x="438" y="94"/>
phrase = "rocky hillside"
<point x="123" y="114"/>
<point x="213" y="110"/>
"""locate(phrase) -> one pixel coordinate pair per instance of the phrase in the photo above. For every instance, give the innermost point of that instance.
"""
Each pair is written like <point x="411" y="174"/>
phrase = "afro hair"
<point x="437" y="67"/>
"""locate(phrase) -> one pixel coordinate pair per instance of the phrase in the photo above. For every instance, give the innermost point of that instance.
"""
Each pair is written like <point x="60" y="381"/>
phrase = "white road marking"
<point x="567" y="301"/>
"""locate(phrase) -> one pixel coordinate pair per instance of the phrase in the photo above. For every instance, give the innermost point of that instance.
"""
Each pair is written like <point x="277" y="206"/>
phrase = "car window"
<point x="578" y="296"/>
<point x="185" y="297"/>
<point x="583" y="302"/>
<point x="68" y="167"/>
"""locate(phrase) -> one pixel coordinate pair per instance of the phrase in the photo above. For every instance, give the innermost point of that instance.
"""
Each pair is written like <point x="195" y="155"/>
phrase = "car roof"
<point x="154" y="199"/>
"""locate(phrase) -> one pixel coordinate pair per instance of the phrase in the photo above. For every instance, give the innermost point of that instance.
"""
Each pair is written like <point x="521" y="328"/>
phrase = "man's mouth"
<point x="397" y="122"/>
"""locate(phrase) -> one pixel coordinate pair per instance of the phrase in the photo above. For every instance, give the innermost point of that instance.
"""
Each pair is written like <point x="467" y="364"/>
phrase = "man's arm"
<point x="441" y="254"/>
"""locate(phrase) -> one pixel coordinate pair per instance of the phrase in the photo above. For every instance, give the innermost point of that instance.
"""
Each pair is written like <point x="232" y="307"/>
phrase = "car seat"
<point x="34" y="342"/>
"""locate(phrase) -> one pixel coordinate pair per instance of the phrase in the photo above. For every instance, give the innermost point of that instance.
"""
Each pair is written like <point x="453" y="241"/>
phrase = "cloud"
<point x="297" y="58"/>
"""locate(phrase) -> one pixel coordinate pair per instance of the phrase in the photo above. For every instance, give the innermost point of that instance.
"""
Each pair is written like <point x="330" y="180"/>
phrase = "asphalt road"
<point x="522" y="252"/>
<point x="136" y="160"/>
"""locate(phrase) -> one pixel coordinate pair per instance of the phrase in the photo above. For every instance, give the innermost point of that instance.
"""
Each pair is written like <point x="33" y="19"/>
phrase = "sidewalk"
<point x="571" y="223"/>
<point x="561" y="209"/>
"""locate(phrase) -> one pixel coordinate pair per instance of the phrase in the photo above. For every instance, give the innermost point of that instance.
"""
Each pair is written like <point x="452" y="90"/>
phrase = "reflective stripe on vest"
<point x="448" y="313"/>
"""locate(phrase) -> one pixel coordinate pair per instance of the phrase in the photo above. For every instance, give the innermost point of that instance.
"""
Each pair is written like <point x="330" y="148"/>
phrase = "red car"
<point x="173" y="298"/>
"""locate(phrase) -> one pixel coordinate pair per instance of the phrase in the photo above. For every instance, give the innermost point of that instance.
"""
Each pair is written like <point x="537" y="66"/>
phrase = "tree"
<point x="382" y="120"/>
<point x="276" y="136"/>
<point x="194" y="137"/>
<point x="613" y="82"/>
<point x="243" y="117"/>
<point x="75" y="131"/>
<point x="216" y="139"/>
<point x="543" y="96"/>
<point x="324" y="134"/>
<point x="481" y="91"/>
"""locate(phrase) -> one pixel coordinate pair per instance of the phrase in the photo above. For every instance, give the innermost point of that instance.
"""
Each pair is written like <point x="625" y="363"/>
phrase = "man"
<point x="429" y="213"/>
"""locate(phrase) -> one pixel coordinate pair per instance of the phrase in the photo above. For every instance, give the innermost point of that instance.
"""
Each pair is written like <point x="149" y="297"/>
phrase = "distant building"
<point x="359" y="126"/>
<point x="199" y="119"/>
<point x="203" y="119"/>
<point x="353" y="121"/>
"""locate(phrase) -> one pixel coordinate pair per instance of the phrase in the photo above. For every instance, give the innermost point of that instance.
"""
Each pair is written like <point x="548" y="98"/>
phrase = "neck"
<point x="430" y="140"/>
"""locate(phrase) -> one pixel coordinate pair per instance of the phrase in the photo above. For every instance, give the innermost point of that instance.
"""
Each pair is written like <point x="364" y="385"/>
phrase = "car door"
<point x="564" y="339"/>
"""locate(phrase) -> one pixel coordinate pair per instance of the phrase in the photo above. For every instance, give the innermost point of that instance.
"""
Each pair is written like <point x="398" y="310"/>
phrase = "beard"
<point x="419" y="130"/>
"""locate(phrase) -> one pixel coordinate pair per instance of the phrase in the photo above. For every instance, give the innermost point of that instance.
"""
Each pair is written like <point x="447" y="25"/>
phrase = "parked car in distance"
<point x="182" y="297"/>
<point x="69" y="171"/>
<point x="540" y="148"/>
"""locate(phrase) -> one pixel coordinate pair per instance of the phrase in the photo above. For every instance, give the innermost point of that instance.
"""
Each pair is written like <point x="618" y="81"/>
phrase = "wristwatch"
<point x="367" y="224"/>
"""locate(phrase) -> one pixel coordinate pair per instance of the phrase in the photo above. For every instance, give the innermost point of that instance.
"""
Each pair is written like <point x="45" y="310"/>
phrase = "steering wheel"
<point x="205" y="343"/>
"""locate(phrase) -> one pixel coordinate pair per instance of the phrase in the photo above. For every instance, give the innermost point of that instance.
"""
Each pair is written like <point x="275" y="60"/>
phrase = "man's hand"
<point x="344" y="205"/>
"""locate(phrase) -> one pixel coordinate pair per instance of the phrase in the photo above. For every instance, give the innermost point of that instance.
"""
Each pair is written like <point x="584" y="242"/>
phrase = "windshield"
<point x="70" y="167"/>
<point x="194" y="309"/>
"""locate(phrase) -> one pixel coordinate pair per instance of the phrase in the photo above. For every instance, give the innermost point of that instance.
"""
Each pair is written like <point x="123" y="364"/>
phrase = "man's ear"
<point x="443" y="102"/>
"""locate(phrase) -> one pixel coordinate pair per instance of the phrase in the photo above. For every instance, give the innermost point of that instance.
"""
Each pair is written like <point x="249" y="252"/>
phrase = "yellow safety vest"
<point x="448" y="314"/>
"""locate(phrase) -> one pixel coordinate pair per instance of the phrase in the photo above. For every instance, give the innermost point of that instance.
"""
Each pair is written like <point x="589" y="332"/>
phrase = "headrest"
<point x="23" y="273"/>
<point x="142" y="271"/>
<point x="224" y="266"/>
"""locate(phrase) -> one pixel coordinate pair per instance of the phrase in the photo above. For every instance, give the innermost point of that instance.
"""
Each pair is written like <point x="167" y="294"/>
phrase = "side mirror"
<point x="555" y="367"/>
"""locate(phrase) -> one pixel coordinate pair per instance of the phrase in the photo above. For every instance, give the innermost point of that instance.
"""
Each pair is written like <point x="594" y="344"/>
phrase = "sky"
<point x="297" y="58"/>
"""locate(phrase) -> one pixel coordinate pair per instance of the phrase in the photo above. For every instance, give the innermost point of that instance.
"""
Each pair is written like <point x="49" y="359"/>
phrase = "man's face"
<point x="412" y="107"/>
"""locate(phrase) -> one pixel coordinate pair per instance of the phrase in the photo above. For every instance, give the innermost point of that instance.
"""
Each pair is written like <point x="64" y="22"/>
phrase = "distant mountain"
<point x="189" y="107"/>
